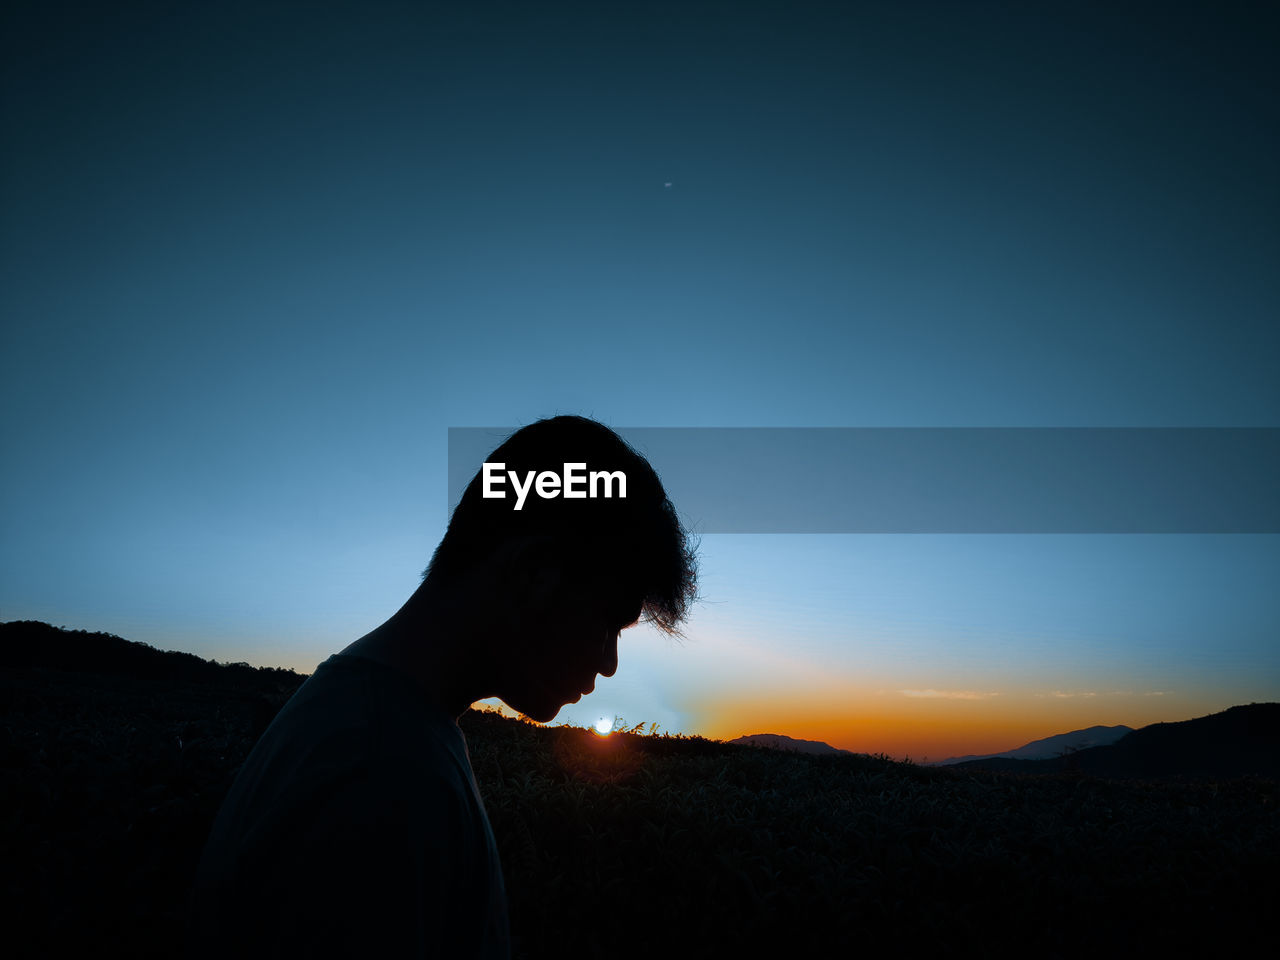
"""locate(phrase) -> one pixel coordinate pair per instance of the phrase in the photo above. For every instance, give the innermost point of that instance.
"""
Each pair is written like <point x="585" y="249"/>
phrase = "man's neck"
<point x="425" y="642"/>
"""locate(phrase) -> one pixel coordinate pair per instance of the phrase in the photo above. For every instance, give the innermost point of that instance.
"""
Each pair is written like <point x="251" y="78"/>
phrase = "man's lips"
<point x="583" y="691"/>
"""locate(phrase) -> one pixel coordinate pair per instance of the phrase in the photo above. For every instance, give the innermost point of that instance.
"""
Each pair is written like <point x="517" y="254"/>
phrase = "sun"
<point x="604" y="726"/>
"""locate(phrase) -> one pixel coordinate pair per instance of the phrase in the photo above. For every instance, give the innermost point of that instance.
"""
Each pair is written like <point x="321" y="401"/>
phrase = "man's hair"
<point x="634" y="545"/>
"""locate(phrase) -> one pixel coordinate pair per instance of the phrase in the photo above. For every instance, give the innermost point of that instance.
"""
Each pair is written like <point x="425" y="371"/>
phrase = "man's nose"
<point x="609" y="657"/>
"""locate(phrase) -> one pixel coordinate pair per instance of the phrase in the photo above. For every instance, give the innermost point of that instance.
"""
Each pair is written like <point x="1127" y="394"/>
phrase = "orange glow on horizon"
<point x="923" y="725"/>
<point x="938" y="725"/>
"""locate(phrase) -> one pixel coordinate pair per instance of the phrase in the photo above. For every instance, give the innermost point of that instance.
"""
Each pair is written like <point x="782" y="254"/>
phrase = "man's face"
<point x="554" y="659"/>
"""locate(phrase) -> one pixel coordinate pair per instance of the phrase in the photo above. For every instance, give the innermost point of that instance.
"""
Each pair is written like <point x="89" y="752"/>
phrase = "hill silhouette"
<point x="103" y="661"/>
<point x="777" y="741"/>
<point x="1054" y="746"/>
<point x="1238" y="742"/>
<point x="34" y="644"/>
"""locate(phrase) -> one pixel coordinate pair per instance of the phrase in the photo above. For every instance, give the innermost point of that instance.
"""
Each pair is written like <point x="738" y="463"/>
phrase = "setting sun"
<point x="604" y="726"/>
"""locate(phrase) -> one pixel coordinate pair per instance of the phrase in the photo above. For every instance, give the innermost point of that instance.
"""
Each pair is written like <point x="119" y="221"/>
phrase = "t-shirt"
<point x="354" y="828"/>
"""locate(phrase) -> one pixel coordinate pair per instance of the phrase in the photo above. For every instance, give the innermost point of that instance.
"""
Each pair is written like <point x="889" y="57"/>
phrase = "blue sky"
<point x="258" y="258"/>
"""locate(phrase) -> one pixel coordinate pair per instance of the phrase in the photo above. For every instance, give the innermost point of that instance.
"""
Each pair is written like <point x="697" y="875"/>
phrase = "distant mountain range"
<point x="1238" y="742"/>
<point x="776" y="741"/>
<point x="1051" y="747"/>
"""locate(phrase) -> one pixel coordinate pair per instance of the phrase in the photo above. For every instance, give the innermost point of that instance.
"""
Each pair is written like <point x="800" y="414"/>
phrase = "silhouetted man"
<point x="355" y="827"/>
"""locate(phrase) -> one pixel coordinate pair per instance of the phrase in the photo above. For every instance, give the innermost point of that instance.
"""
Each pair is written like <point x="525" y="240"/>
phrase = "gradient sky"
<point x="259" y="257"/>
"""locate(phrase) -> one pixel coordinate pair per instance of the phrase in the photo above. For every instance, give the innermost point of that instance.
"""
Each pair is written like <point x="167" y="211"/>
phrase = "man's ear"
<point x="528" y="574"/>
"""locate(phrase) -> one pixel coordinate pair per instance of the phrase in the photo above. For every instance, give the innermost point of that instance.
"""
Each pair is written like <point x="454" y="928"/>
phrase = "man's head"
<point x="565" y="575"/>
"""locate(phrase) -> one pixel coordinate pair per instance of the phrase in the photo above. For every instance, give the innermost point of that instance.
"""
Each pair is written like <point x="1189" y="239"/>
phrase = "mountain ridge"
<point x="1048" y="747"/>
<point x="778" y="741"/>
<point x="1243" y="740"/>
<point x="1240" y="741"/>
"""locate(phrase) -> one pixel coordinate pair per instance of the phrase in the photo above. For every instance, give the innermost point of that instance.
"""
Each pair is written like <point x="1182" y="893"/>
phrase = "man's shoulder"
<point x="354" y="735"/>
<point x="357" y="801"/>
<point x="354" y="714"/>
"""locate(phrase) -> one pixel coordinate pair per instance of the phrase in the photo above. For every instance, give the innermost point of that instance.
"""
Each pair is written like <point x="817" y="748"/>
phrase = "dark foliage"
<point x="631" y="846"/>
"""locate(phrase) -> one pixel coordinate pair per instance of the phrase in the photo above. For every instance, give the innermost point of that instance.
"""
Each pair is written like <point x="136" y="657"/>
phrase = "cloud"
<point x="949" y="694"/>
<point x="1067" y="694"/>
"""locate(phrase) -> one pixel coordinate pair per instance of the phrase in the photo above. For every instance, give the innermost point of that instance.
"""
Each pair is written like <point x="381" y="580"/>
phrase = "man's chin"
<point x="540" y="713"/>
<point x="537" y="702"/>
